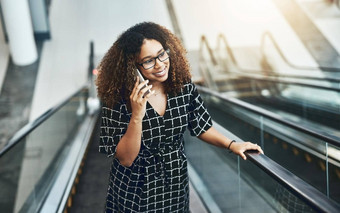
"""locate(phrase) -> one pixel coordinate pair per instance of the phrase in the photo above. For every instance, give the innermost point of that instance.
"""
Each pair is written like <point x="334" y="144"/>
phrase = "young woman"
<point x="143" y="123"/>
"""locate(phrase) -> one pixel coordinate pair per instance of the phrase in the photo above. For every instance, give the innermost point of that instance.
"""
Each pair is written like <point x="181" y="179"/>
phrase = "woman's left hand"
<point x="240" y="148"/>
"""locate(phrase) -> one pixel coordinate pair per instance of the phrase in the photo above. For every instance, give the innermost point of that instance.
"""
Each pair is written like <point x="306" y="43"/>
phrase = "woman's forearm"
<point x="129" y="145"/>
<point x="213" y="137"/>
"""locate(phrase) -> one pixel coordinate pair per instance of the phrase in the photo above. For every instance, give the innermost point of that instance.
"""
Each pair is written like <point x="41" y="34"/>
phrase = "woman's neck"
<point x="158" y="87"/>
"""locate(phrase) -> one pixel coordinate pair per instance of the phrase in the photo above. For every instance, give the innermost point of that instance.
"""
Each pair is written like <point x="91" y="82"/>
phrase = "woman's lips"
<point x="161" y="73"/>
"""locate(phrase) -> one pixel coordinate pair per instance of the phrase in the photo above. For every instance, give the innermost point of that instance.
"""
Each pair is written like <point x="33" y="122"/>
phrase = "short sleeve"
<point x="114" y="123"/>
<point x="199" y="118"/>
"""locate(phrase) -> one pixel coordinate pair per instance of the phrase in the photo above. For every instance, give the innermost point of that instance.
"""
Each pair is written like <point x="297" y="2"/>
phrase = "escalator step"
<point x="90" y="195"/>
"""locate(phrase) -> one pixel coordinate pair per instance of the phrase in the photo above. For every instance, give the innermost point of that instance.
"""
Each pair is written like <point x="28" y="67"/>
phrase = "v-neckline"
<point x="166" y="107"/>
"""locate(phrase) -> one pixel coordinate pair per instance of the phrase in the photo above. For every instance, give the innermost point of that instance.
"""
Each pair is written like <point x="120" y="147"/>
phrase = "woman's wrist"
<point x="230" y="143"/>
<point x="136" y="119"/>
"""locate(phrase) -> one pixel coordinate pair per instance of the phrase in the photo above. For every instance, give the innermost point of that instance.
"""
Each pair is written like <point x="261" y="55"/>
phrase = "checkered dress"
<point x="157" y="181"/>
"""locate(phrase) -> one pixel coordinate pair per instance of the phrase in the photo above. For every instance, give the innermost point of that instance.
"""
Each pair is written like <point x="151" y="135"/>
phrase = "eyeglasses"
<point x="150" y="63"/>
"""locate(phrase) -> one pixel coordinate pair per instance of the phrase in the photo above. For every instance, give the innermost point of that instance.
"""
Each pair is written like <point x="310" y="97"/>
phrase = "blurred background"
<point x="268" y="71"/>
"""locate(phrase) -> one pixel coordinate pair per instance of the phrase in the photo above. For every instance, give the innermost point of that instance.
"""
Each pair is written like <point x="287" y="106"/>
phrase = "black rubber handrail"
<point x="289" y="82"/>
<point x="307" y="193"/>
<point x="322" y="136"/>
<point x="91" y="61"/>
<point x="222" y="38"/>
<point x="205" y="42"/>
<point x="271" y="38"/>
<point x="24" y="131"/>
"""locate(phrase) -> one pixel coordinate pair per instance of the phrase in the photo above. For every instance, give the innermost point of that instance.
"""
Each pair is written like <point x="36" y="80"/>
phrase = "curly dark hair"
<point x="116" y="76"/>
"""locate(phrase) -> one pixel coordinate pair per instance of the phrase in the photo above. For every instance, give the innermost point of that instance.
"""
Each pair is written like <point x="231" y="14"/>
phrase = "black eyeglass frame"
<point x="155" y="58"/>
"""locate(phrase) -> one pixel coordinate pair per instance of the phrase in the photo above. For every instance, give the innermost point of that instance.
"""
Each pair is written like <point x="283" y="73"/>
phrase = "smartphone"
<point x="141" y="79"/>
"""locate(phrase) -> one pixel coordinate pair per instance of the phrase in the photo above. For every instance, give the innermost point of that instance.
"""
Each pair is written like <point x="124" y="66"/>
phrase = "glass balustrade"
<point x="313" y="160"/>
<point x="28" y="169"/>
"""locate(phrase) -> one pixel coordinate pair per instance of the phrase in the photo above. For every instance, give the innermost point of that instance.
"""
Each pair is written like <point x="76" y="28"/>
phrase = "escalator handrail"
<point x="282" y="81"/>
<point x="91" y="61"/>
<point x="208" y="77"/>
<point x="267" y="34"/>
<point x="221" y="37"/>
<point x="272" y="116"/>
<point x="204" y="42"/>
<point x="29" y="127"/>
<point x="313" y="197"/>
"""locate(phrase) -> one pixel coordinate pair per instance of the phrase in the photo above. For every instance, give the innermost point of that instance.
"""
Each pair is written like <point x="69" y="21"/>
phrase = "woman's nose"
<point x="158" y="63"/>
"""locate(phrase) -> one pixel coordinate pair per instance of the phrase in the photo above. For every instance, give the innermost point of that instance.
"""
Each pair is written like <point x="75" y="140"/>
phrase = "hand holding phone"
<point x="141" y="79"/>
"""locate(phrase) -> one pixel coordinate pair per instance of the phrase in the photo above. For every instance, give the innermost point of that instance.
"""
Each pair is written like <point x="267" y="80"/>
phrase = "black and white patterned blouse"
<point x="157" y="181"/>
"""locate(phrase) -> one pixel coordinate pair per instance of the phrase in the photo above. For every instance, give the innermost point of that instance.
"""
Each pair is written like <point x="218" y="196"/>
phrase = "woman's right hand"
<point x="138" y="99"/>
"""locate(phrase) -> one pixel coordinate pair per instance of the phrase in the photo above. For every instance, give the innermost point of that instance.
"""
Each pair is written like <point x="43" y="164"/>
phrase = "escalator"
<point x="235" y="185"/>
<point x="311" y="99"/>
<point x="314" y="159"/>
<point x="41" y="160"/>
<point x="91" y="185"/>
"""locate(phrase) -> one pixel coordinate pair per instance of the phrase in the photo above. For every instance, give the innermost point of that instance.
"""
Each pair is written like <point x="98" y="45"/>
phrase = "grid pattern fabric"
<point x="157" y="180"/>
